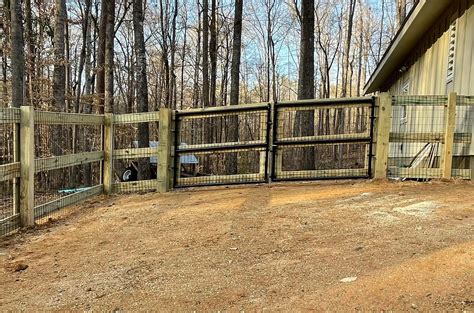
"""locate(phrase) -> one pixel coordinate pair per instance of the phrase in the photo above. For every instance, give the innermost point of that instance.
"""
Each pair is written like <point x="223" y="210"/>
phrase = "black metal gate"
<point x="323" y="139"/>
<point x="301" y="140"/>
<point x="222" y="145"/>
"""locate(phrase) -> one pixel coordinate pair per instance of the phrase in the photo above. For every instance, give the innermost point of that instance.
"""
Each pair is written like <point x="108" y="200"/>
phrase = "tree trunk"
<point x="236" y="54"/>
<point x="144" y="171"/>
<point x="205" y="53"/>
<point x="109" y="56"/>
<point x="82" y="56"/>
<point x="17" y="55"/>
<point x="233" y="130"/>
<point x="361" y="51"/>
<point x="100" y="80"/>
<point x="30" y="57"/>
<point x="81" y="138"/>
<point x="304" y="120"/>
<point x="88" y="101"/>
<point x="347" y="48"/>
<point x="183" y="59"/>
<point x="382" y="20"/>
<point x="213" y="54"/>
<point x="197" y="62"/>
<point x="401" y="11"/>
<point x="172" y="77"/>
<point x="164" y="11"/>
<point x="59" y="74"/>
<point x="6" y="35"/>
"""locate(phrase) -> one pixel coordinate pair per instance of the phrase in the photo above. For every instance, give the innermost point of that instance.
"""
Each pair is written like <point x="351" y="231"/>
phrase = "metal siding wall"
<point x="428" y="72"/>
<point x="464" y="79"/>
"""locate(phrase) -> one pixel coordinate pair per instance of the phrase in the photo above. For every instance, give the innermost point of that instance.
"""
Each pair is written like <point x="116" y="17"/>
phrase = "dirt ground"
<point x="318" y="246"/>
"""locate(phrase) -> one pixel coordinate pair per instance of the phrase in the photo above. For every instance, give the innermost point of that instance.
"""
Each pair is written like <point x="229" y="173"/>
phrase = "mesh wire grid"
<point x="322" y="141"/>
<point x="9" y="218"/>
<point x="130" y="165"/>
<point x="56" y="184"/>
<point x="75" y="183"/>
<point x="463" y="154"/>
<point x="417" y="136"/>
<point x="216" y="148"/>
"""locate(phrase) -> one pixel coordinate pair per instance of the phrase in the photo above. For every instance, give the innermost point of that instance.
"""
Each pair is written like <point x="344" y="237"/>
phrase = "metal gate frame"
<point x="263" y="145"/>
<point x="320" y="103"/>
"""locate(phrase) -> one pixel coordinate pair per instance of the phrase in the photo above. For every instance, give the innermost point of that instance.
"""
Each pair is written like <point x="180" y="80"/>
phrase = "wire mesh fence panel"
<point x="6" y="143"/>
<point x="9" y="170"/>
<point x="127" y="135"/>
<point x="417" y="137"/>
<point x="229" y="128"/>
<point x="53" y="195"/>
<point x="321" y="139"/>
<point x="135" y="155"/>
<point x="194" y="173"/>
<point x="463" y="152"/>
<point x="331" y="161"/>
<point x="57" y="140"/>
<point x="68" y="161"/>
<point x="221" y="147"/>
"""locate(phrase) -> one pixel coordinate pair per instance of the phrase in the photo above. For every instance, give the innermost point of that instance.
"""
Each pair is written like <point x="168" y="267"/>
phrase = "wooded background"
<point x="120" y="56"/>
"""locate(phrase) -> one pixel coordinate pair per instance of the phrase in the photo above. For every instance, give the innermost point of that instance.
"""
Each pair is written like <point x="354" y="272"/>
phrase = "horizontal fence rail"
<point x="9" y="115"/>
<point x="136" y="118"/>
<point x="52" y="163"/>
<point x="46" y="209"/>
<point x="9" y="171"/>
<point x="60" y="118"/>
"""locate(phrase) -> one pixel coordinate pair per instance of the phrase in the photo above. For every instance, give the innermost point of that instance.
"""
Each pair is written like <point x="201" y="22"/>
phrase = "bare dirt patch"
<point x="352" y="245"/>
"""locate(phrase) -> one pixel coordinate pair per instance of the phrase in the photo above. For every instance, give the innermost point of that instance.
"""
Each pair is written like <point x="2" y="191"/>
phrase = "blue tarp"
<point x="184" y="159"/>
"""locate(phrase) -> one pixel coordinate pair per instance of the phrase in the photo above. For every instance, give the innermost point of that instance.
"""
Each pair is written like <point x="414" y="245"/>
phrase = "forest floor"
<point x="311" y="246"/>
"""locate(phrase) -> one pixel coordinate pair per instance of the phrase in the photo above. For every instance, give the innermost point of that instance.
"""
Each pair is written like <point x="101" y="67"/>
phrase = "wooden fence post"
<point x="382" y="135"/>
<point x="164" y="175"/>
<point x="107" y="168"/>
<point x="450" y="125"/>
<point x="27" y="166"/>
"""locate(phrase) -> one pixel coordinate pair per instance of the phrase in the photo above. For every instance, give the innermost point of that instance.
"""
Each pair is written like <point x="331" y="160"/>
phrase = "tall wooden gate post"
<point x="164" y="175"/>
<point x="382" y="135"/>
<point x="27" y="166"/>
<point x="450" y="125"/>
<point x="107" y="168"/>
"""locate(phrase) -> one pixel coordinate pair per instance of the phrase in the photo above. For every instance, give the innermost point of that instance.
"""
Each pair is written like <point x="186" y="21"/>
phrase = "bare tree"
<point x="100" y="72"/>
<point x="233" y="132"/>
<point x="347" y="48"/>
<point x="401" y="11"/>
<point x="205" y="53"/>
<point x="213" y="54"/>
<point x="59" y="75"/>
<point x="304" y="120"/>
<point x="109" y="56"/>
<point x="18" y="54"/>
<point x="142" y="83"/>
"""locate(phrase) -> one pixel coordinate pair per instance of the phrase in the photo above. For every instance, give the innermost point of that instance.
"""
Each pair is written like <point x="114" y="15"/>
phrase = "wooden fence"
<point x="21" y="171"/>
<point x="435" y="126"/>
